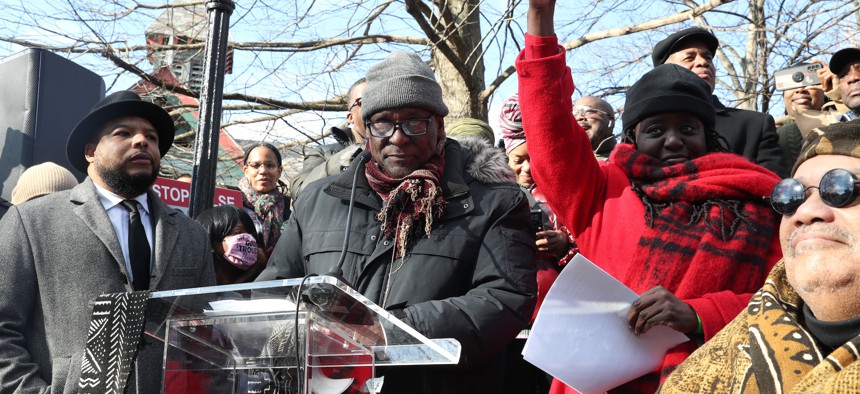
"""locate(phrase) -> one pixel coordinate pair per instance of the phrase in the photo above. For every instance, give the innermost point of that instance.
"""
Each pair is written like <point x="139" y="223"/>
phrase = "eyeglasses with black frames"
<point x="410" y="127"/>
<point x="838" y="188"/>
<point x="356" y="103"/>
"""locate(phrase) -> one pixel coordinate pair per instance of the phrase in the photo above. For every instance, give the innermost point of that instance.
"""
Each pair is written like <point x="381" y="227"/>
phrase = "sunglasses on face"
<point x="838" y="188"/>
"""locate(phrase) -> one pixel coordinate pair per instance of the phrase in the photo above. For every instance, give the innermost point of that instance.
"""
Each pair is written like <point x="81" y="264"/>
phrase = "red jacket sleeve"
<point x="563" y="165"/>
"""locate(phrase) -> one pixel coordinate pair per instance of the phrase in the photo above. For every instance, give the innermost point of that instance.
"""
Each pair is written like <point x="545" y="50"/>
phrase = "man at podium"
<point x="439" y="235"/>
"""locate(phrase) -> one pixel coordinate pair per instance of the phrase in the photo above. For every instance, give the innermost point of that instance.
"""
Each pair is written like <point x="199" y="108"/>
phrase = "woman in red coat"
<point x="671" y="215"/>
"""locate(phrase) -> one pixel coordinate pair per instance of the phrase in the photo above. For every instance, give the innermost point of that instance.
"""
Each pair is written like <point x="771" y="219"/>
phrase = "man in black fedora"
<point x="749" y="133"/>
<point x="110" y="234"/>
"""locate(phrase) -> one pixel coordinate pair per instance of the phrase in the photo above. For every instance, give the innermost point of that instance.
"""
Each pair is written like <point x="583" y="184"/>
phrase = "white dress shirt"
<point x="119" y="219"/>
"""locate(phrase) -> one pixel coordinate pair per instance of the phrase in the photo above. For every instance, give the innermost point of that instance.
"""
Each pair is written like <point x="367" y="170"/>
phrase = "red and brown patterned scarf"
<point x="412" y="202"/>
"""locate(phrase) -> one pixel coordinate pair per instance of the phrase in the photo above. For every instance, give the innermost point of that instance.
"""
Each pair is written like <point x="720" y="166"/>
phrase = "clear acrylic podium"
<point x="256" y="338"/>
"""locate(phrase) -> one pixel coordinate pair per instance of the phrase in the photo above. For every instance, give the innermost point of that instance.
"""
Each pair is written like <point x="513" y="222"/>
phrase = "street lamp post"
<point x="211" y="93"/>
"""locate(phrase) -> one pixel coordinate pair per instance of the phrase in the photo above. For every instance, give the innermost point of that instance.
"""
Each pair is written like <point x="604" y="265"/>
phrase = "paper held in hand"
<point x="580" y="335"/>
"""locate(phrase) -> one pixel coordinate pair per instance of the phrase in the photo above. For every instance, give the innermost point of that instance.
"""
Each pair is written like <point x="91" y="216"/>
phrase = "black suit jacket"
<point x="752" y="135"/>
<point x="4" y="206"/>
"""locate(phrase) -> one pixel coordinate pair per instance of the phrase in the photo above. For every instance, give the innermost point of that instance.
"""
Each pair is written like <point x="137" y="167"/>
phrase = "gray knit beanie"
<point x="401" y="80"/>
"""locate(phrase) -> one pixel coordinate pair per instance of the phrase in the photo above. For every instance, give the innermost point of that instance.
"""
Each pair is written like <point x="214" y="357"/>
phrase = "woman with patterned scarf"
<point x="671" y="215"/>
<point x="266" y="205"/>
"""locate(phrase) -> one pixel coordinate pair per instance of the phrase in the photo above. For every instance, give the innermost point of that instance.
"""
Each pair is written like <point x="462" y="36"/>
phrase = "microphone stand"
<point x="327" y="299"/>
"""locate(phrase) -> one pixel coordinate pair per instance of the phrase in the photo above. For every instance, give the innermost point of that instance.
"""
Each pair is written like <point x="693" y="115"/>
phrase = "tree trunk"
<point x="751" y="64"/>
<point x="462" y="96"/>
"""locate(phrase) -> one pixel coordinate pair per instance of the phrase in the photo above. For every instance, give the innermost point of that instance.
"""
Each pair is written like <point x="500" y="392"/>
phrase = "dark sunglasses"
<point x="838" y="188"/>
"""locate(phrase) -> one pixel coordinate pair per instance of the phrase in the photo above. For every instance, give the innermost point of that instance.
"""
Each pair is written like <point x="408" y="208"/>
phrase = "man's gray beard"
<point x="838" y="233"/>
<point x="125" y="184"/>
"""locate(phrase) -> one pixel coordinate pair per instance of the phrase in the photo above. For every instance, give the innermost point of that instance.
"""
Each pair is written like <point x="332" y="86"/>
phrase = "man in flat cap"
<point x="440" y="235"/>
<point x="801" y="332"/>
<point x="110" y="234"/>
<point x="845" y="64"/>
<point x="750" y="134"/>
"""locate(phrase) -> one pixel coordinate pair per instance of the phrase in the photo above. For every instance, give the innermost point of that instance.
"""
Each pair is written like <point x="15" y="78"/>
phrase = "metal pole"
<point x="209" y="122"/>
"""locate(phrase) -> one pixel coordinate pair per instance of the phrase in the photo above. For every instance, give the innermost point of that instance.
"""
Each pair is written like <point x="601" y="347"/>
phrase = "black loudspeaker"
<point x="42" y="98"/>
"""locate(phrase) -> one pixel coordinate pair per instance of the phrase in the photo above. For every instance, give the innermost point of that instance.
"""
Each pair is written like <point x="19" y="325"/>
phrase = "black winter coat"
<point x="472" y="279"/>
<point x="752" y="135"/>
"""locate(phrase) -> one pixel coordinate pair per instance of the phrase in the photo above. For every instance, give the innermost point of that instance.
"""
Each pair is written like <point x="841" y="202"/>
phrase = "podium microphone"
<point x="328" y="299"/>
<point x="337" y="270"/>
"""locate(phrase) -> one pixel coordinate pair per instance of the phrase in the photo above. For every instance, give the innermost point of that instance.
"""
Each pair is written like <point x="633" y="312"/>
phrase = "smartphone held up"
<point x="797" y="76"/>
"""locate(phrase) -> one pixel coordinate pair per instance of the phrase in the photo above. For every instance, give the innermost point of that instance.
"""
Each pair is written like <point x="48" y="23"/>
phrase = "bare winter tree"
<point x="759" y="37"/>
<point x="293" y="61"/>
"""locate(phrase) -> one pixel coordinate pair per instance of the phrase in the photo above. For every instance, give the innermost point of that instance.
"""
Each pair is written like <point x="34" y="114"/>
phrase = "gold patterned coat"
<point x="766" y="350"/>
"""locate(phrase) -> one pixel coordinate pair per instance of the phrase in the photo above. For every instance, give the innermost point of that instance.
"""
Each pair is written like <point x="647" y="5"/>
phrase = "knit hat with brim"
<point x="42" y="179"/>
<point x="117" y="105"/>
<point x="836" y="139"/>
<point x="672" y="43"/>
<point x="668" y="88"/>
<point x="402" y="80"/>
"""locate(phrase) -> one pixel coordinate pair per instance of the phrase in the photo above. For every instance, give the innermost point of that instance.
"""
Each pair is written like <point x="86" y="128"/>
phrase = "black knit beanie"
<point x="668" y="88"/>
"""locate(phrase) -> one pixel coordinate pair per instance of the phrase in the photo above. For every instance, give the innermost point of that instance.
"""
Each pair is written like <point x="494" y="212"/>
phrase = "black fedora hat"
<point x="669" y="45"/>
<point x="117" y="105"/>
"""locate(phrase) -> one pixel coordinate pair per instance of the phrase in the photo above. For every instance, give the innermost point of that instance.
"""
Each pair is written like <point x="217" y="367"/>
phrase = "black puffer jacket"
<point x="472" y="279"/>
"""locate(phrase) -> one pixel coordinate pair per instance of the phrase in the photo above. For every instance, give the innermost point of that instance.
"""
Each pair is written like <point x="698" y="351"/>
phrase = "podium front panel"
<point x="288" y="335"/>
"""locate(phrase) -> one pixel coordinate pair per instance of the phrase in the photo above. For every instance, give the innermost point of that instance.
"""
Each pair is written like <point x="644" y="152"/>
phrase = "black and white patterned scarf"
<point x="112" y="342"/>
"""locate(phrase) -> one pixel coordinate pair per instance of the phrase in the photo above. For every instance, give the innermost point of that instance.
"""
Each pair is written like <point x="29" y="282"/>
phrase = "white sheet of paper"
<point x="580" y="335"/>
<point x="229" y="307"/>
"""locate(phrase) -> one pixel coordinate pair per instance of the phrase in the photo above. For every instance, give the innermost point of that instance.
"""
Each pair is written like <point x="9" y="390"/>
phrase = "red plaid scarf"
<point x="706" y="212"/>
<point x="412" y="202"/>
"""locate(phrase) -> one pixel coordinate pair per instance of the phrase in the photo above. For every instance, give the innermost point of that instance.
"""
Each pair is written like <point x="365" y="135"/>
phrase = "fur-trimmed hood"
<point x="487" y="164"/>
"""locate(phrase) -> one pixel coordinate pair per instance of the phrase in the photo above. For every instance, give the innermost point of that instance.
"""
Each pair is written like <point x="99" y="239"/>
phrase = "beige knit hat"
<point x="40" y="180"/>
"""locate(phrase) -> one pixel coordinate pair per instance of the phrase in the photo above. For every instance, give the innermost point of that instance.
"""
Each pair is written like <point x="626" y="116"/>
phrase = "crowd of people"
<point x="743" y="236"/>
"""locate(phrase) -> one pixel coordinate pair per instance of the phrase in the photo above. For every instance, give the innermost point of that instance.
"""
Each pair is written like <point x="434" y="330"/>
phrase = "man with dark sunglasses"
<point x="801" y="331"/>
